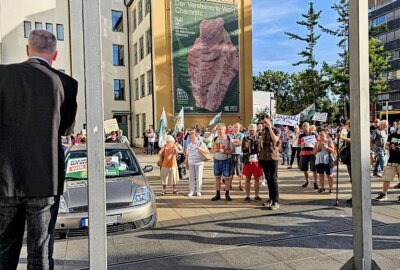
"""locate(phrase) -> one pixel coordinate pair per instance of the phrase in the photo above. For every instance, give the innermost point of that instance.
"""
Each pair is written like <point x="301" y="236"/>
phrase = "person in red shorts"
<point x="251" y="166"/>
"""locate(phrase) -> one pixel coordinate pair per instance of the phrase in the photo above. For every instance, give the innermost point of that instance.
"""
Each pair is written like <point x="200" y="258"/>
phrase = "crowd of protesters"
<point x="254" y="152"/>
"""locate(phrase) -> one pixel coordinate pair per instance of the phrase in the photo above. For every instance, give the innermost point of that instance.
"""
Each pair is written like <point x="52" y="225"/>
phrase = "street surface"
<point x="306" y="232"/>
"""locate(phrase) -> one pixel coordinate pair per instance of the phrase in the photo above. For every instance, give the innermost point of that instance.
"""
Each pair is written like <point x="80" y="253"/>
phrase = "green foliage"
<point x="378" y="63"/>
<point x="310" y="22"/>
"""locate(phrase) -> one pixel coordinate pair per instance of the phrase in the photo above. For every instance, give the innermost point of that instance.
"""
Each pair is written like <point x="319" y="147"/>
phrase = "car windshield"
<point x="117" y="162"/>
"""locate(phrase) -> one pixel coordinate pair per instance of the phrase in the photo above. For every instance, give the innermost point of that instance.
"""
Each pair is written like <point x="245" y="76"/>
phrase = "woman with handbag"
<point x="169" y="167"/>
<point x="195" y="163"/>
<point x="324" y="162"/>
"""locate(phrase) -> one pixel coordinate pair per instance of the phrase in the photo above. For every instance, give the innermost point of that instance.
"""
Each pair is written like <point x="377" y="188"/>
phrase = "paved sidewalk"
<point x="306" y="232"/>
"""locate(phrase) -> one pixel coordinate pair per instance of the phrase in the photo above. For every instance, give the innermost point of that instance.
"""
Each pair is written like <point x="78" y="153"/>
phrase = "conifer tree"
<point x="314" y="88"/>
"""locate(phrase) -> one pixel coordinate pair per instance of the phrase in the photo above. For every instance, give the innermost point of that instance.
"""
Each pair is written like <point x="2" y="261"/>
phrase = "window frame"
<point x="136" y="89"/>
<point x="134" y="19"/>
<point x="113" y="28"/>
<point x="142" y="86"/>
<point x="149" y="82"/>
<point x="140" y="12"/>
<point x="52" y="27"/>
<point x="58" y="27"/>
<point x="26" y="23"/>
<point x="141" y="48"/>
<point x="148" y="42"/>
<point x="120" y="56"/>
<point x="121" y="90"/>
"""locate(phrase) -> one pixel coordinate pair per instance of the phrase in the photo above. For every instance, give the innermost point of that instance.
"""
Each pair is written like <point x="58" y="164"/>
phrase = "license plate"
<point x="109" y="221"/>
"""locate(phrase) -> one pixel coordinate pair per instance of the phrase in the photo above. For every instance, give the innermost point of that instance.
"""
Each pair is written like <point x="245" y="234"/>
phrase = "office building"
<point x="138" y="55"/>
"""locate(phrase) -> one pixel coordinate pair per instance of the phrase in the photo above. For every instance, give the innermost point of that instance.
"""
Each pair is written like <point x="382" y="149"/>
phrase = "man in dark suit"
<point x="37" y="106"/>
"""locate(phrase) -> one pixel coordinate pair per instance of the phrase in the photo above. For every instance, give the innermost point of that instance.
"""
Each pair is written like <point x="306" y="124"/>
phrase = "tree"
<point x="337" y="75"/>
<point x="311" y="80"/>
<point x="378" y="64"/>
<point x="280" y="84"/>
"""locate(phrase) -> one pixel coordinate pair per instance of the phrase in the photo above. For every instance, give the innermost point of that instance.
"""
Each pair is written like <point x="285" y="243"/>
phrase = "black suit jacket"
<point x="37" y="106"/>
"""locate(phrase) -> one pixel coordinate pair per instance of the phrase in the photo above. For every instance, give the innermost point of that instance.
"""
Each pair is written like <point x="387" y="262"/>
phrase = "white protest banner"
<point x="287" y="120"/>
<point x="110" y="125"/>
<point x="321" y="117"/>
<point x="310" y="139"/>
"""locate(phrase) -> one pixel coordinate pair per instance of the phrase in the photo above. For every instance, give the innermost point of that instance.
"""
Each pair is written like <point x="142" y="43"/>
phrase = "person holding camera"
<point x="393" y="167"/>
<point x="269" y="155"/>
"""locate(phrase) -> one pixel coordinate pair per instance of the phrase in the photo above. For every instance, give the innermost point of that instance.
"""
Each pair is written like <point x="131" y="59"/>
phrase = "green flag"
<point x="254" y="120"/>
<point x="161" y="128"/>
<point x="308" y="112"/>
<point x="216" y="119"/>
<point x="179" y="121"/>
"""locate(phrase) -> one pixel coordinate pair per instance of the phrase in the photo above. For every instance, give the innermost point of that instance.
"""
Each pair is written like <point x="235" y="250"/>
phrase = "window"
<point x="134" y="19"/>
<point x="395" y="55"/>
<point x="27" y="29"/>
<point x="119" y="89"/>
<point x="148" y="6"/>
<point x="397" y="13"/>
<point x="141" y="49"/>
<point x="49" y="27"/>
<point x="143" y="121"/>
<point x="117" y="21"/>
<point x="138" y="126"/>
<point x="38" y="25"/>
<point x="150" y="82"/>
<point x="397" y="34"/>
<point x="148" y="41"/>
<point x="136" y="89"/>
<point x="142" y="86"/>
<point x="118" y="55"/>
<point x="135" y="59"/>
<point x="390" y="36"/>
<point x="390" y="16"/>
<point x="140" y="11"/>
<point x="60" y="31"/>
<point x="382" y="38"/>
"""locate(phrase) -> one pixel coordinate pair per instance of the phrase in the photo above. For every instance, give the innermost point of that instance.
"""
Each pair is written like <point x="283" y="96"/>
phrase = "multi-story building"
<point x="388" y="12"/>
<point x="136" y="51"/>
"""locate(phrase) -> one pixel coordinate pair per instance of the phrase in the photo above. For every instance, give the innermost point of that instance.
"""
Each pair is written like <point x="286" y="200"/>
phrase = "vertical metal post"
<point x="270" y="104"/>
<point x="387" y="117"/>
<point x="359" y="107"/>
<point x="95" y="133"/>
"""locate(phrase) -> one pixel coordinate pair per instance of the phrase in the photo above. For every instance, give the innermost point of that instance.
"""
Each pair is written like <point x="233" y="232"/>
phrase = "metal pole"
<point x="270" y="104"/>
<point x="387" y="117"/>
<point x="95" y="133"/>
<point x="359" y="107"/>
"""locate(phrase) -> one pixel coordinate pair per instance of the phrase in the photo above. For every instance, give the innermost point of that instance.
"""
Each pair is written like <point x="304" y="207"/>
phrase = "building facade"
<point x="388" y="12"/>
<point x="136" y="53"/>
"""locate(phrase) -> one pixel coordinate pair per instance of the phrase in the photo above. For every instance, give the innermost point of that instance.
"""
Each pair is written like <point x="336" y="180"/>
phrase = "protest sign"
<point x="310" y="139"/>
<point x="321" y="117"/>
<point x="110" y="125"/>
<point x="287" y="120"/>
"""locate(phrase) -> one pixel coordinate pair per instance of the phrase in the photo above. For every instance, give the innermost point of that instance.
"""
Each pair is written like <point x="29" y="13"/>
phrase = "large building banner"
<point x="205" y="47"/>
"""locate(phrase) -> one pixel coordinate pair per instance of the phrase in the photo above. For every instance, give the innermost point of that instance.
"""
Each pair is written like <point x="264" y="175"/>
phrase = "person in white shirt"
<point x="194" y="164"/>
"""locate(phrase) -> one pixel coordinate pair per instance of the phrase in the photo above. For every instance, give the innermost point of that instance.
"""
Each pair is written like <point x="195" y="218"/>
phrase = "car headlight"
<point x="63" y="206"/>
<point x="142" y="195"/>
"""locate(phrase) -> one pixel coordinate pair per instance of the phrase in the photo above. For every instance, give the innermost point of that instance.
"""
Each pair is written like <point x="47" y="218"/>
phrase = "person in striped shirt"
<point x="307" y="141"/>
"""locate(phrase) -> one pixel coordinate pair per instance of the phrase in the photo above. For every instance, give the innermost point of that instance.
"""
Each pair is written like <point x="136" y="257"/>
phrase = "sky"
<point x="273" y="50"/>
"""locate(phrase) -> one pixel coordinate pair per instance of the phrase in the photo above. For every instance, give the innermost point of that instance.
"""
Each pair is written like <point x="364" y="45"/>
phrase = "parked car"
<point x="130" y="201"/>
